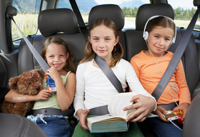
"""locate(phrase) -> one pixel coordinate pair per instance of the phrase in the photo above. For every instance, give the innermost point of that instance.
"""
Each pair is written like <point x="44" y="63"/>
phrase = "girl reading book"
<point x="93" y="89"/>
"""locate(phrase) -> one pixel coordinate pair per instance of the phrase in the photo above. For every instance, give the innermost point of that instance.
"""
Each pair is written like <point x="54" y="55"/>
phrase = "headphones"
<point x="146" y="34"/>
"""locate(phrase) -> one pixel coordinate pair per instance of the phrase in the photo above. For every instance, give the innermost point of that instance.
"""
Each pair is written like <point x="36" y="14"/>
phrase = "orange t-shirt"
<point x="150" y="75"/>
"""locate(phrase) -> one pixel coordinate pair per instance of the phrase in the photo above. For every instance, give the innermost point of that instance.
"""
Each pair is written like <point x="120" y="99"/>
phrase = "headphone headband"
<point x="146" y="34"/>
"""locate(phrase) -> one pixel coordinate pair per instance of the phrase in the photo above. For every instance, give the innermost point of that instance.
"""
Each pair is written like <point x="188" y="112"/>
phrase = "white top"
<point x="93" y="88"/>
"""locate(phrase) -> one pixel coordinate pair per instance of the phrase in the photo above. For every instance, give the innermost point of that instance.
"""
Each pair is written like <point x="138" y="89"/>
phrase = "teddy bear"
<point x="27" y="83"/>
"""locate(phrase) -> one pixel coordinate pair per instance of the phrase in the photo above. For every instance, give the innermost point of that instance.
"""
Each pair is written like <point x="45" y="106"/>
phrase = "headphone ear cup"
<point x="145" y="35"/>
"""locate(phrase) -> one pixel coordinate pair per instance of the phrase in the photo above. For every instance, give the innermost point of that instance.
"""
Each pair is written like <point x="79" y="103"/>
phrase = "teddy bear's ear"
<point x="13" y="83"/>
<point x="41" y="72"/>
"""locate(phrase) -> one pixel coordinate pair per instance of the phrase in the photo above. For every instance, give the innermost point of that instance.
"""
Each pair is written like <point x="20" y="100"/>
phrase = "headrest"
<point x="53" y="21"/>
<point x="147" y="10"/>
<point x="110" y="11"/>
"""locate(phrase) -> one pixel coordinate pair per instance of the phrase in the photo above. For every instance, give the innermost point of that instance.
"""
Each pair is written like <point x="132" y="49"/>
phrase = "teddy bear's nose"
<point x="38" y="88"/>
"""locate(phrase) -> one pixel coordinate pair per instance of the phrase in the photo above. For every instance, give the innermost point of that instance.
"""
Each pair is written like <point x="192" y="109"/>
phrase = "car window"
<point x="27" y="17"/>
<point x="129" y="8"/>
<point x="184" y="12"/>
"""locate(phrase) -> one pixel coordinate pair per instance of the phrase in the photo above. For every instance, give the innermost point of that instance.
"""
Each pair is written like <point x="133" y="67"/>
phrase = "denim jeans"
<point x="164" y="129"/>
<point x="55" y="127"/>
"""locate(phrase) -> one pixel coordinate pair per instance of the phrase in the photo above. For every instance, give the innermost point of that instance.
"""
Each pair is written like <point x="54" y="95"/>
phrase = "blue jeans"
<point x="55" y="127"/>
<point x="164" y="129"/>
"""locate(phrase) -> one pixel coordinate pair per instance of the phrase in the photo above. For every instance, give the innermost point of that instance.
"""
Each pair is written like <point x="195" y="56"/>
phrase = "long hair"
<point x="117" y="52"/>
<point x="69" y="62"/>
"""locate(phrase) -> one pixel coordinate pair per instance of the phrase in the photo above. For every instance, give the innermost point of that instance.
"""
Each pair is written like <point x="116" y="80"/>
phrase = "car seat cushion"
<point x="53" y="21"/>
<point x="148" y="10"/>
<point x="107" y="12"/>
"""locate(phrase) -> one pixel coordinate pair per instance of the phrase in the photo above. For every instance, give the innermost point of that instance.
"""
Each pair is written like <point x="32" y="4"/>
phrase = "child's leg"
<point x="163" y="129"/>
<point x="55" y="127"/>
<point x="134" y="131"/>
<point x="80" y="132"/>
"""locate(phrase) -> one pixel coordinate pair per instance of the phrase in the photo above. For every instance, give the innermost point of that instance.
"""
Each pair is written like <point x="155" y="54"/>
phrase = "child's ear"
<point x="117" y="40"/>
<point x="67" y="56"/>
<point x="13" y="83"/>
<point x="89" y="39"/>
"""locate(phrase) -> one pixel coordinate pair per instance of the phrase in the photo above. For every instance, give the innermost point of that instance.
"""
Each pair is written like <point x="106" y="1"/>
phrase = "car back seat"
<point x="113" y="12"/>
<point x="60" y="23"/>
<point x="135" y="43"/>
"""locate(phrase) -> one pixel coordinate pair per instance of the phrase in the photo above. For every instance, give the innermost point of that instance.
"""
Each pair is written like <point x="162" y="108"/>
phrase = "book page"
<point x="118" y="102"/>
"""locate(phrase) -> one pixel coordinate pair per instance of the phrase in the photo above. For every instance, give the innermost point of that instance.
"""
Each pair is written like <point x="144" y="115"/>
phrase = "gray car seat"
<point x="12" y="125"/>
<point x="191" y="124"/>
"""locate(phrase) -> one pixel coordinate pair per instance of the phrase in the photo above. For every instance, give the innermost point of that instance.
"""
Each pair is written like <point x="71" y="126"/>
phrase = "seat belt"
<point x="109" y="73"/>
<point x="102" y="110"/>
<point x="80" y="19"/>
<point x="12" y="11"/>
<point x="176" y="58"/>
<point x="37" y="56"/>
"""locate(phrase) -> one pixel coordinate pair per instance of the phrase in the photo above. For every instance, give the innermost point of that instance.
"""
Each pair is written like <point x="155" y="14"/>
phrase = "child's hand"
<point x="53" y="73"/>
<point x="44" y="94"/>
<point x="144" y="107"/>
<point x="184" y="107"/>
<point x="82" y="114"/>
<point x="159" y="111"/>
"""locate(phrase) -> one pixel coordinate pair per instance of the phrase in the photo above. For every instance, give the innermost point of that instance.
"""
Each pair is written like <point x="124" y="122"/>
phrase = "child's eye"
<point x="50" y="56"/>
<point x="95" y="39"/>
<point x="167" y="39"/>
<point x="107" y="39"/>
<point x="61" y="55"/>
<point x="157" y="36"/>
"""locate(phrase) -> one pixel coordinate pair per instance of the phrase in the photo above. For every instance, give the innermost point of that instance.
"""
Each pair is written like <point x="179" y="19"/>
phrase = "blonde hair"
<point x="117" y="52"/>
<point x="69" y="62"/>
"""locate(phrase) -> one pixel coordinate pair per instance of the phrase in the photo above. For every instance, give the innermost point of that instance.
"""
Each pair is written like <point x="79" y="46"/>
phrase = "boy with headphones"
<point x="159" y="33"/>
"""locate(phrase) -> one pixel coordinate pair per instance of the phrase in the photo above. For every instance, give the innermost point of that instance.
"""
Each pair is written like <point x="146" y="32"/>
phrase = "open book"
<point x="116" y="120"/>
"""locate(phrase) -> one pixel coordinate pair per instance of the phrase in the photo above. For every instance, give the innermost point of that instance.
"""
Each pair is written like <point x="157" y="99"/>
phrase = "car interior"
<point x="65" y="23"/>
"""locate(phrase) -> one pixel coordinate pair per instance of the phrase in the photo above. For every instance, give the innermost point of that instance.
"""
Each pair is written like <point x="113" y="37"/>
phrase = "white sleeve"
<point x="80" y="89"/>
<point x="135" y="84"/>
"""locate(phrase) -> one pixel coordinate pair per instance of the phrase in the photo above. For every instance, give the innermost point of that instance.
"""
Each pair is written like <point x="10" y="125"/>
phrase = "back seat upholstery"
<point x="52" y="22"/>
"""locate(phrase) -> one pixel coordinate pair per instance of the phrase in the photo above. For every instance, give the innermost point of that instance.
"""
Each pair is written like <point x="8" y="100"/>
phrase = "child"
<point x="93" y="89"/>
<point x="60" y="59"/>
<point x="151" y="64"/>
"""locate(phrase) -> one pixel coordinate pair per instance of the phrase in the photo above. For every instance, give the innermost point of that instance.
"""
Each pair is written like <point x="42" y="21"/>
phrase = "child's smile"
<point x="159" y="40"/>
<point x="56" y="56"/>
<point x="103" y="41"/>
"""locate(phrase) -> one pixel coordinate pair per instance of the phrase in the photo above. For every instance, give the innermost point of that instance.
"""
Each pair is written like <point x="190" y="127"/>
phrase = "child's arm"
<point x="146" y="102"/>
<point x="82" y="114"/>
<point x="184" y="107"/>
<point x="64" y="93"/>
<point x="160" y="111"/>
<point x="13" y="96"/>
<point x="144" y="106"/>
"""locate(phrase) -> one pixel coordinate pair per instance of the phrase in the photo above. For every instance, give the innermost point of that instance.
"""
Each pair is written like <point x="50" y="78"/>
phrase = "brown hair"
<point x="69" y="62"/>
<point x="160" y="21"/>
<point x="117" y="52"/>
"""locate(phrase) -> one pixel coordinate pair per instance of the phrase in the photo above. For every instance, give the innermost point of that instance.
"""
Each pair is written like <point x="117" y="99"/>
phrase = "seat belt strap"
<point x="37" y="56"/>
<point x="102" y="110"/>
<point x="109" y="73"/>
<point x="176" y="58"/>
<point x="80" y="19"/>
